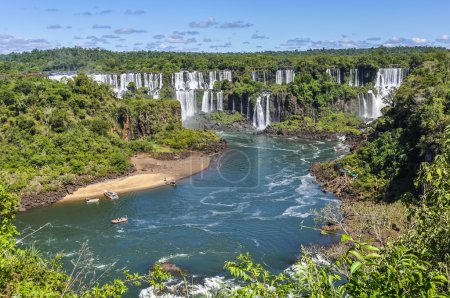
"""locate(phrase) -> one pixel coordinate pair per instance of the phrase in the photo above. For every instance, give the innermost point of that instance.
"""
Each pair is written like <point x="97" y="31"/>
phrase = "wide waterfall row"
<point x="284" y="76"/>
<point x="186" y="83"/>
<point x="261" y="112"/>
<point x="335" y="74"/>
<point x="185" y="80"/>
<point x="387" y="82"/>
<point x="119" y="83"/>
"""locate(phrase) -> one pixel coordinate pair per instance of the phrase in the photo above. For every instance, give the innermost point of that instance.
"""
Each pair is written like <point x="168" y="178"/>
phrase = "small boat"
<point x="110" y="195"/>
<point x="171" y="183"/>
<point x="92" y="201"/>
<point x="120" y="220"/>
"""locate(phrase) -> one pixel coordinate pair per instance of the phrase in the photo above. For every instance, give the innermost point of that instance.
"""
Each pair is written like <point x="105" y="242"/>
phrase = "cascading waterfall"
<point x="354" y="78"/>
<point x="388" y="80"/>
<point x="254" y="76"/>
<point x="127" y="78"/>
<point x="185" y="83"/>
<point x="62" y="76"/>
<point x="261" y="118"/>
<point x="185" y="80"/>
<point x="187" y="102"/>
<point x="335" y="74"/>
<point x="362" y="105"/>
<point x="219" y="100"/>
<point x="109" y="79"/>
<point x="119" y="83"/>
<point x="206" y="104"/>
<point x="220" y="75"/>
<point x="284" y="76"/>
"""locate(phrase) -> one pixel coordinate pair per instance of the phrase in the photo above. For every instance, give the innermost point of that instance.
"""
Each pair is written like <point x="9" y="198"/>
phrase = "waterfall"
<point x="62" y="76"/>
<point x="153" y="82"/>
<point x="220" y="101"/>
<point x="211" y="106"/>
<point x="290" y="75"/>
<point x="279" y="77"/>
<point x="185" y="83"/>
<point x="284" y="76"/>
<point x="261" y="118"/>
<point x="256" y="76"/>
<point x="362" y="105"/>
<point x="354" y="78"/>
<point x="387" y="82"/>
<point x="119" y="83"/>
<point x="335" y="74"/>
<point x="206" y="107"/>
<point x="220" y="75"/>
<point x="109" y="79"/>
<point x="187" y="102"/>
<point x="267" y="97"/>
<point x="178" y="81"/>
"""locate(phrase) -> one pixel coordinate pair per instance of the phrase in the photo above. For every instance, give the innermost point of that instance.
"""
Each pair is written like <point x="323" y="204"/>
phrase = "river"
<point x="252" y="199"/>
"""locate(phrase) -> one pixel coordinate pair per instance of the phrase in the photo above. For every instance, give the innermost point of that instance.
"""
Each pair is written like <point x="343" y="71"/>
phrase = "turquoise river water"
<point x="252" y="199"/>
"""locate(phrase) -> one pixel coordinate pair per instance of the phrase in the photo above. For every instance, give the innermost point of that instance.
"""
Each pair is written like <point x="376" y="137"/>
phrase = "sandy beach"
<point x="149" y="173"/>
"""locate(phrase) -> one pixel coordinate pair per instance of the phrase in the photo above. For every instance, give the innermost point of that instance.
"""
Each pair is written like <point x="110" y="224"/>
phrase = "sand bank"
<point x="149" y="173"/>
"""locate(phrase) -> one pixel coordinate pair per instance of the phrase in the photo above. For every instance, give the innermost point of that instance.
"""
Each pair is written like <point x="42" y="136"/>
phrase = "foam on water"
<point x="204" y="287"/>
<point x="296" y="211"/>
<point x="173" y="256"/>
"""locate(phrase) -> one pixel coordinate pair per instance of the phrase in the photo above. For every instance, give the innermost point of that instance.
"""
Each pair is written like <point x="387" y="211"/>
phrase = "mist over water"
<point x="252" y="198"/>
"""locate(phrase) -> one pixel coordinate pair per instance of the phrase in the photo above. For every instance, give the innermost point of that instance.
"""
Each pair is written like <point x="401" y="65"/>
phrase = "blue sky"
<point x="222" y="26"/>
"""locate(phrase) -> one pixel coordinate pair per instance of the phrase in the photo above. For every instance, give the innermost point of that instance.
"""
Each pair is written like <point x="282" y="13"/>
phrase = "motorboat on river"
<point x="111" y="195"/>
<point x="92" y="201"/>
<point x="120" y="220"/>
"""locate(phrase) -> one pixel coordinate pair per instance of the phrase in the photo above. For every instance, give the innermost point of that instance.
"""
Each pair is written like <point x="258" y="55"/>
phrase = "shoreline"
<point x="149" y="173"/>
<point x="147" y="167"/>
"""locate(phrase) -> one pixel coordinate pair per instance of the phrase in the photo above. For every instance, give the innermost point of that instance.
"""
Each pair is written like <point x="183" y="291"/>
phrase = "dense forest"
<point x="98" y="60"/>
<point x="313" y="93"/>
<point x="52" y="133"/>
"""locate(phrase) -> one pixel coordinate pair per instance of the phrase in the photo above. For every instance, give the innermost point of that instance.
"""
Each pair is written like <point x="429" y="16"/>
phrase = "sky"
<point x="222" y="26"/>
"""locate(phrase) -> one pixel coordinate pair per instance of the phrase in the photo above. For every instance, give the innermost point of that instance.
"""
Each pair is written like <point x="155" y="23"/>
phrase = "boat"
<point x="120" y="220"/>
<point x="110" y="195"/>
<point x="172" y="183"/>
<point x="92" y="201"/>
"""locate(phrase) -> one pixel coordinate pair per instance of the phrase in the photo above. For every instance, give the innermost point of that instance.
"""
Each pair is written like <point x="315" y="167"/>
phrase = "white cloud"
<point x="259" y="36"/>
<point x="419" y="40"/>
<point x="235" y="25"/>
<point x="203" y="24"/>
<point x="9" y="43"/>
<point x="128" y="31"/>
<point x="444" y="39"/>
<point x="174" y="38"/>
